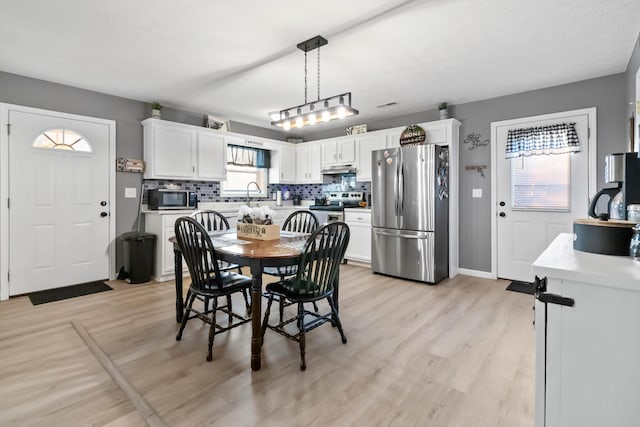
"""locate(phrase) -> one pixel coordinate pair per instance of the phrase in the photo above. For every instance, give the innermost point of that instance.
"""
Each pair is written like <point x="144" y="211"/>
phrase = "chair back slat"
<point x="199" y="254"/>
<point x="211" y="220"/>
<point x="301" y="222"/>
<point x="320" y="260"/>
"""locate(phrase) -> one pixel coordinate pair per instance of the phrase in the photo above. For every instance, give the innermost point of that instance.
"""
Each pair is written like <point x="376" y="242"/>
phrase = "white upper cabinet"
<point x="283" y="164"/>
<point x="169" y="151"/>
<point x="178" y="151"/>
<point x="365" y="145"/>
<point x="211" y="156"/>
<point x="338" y="151"/>
<point x="308" y="163"/>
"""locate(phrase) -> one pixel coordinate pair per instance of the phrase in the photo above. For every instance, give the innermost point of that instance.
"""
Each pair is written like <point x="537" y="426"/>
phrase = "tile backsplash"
<point x="210" y="191"/>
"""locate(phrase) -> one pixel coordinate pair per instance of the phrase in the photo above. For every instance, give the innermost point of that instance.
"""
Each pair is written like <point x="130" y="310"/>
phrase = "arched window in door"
<point x="62" y="139"/>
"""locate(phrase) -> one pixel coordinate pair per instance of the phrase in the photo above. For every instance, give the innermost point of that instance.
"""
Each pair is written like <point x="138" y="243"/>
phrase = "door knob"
<point x="501" y="203"/>
<point x="103" y="214"/>
<point x="502" y="214"/>
<point x="103" y="203"/>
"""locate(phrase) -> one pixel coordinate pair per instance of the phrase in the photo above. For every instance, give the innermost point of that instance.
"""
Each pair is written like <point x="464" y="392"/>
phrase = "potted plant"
<point x="444" y="114"/>
<point x="155" y="110"/>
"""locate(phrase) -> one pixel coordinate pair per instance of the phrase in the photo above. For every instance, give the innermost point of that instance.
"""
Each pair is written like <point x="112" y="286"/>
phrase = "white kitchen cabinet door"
<point x="314" y="164"/>
<point x="302" y="164"/>
<point x="211" y="156"/>
<point x="359" y="248"/>
<point x="338" y="151"/>
<point x="173" y="152"/>
<point x="308" y="164"/>
<point x="283" y="165"/>
<point x="365" y="145"/>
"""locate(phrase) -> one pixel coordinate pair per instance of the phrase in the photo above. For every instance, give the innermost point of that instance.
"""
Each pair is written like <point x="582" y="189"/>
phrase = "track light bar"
<point x="323" y="110"/>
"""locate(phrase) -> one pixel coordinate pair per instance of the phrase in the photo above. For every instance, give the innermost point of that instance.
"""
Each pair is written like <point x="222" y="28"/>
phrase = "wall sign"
<point x="413" y="135"/>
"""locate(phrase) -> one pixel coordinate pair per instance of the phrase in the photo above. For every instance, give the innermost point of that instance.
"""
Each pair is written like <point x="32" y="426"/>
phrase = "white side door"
<point x="59" y="224"/>
<point x="523" y="233"/>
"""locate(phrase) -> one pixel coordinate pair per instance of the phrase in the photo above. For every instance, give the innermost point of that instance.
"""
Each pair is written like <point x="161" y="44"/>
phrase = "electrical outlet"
<point x="476" y="193"/>
<point x="130" y="193"/>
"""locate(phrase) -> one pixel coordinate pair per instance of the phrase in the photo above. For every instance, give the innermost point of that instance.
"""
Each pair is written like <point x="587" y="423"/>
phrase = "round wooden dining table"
<point x="256" y="254"/>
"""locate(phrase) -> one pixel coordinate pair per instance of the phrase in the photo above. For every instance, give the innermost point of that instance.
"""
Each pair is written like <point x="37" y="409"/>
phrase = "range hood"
<point x="339" y="169"/>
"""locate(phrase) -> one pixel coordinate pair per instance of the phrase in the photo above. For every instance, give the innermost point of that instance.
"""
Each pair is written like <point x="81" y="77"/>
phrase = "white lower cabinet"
<point x="359" y="222"/>
<point x="162" y="225"/>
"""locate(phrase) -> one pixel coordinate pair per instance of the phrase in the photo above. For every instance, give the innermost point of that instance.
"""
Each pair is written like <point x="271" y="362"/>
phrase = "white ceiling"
<point x="238" y="59"/>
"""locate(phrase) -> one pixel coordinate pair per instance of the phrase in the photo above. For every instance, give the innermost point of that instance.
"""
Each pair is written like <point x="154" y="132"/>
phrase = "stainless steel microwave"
<point x="164" y="198"/>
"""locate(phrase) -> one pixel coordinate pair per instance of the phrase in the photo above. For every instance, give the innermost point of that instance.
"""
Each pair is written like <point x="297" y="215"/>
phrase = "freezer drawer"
<point x="406" y="254"/>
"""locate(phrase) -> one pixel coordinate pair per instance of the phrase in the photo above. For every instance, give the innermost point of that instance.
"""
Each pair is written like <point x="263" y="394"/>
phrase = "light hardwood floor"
<point x="460" y="353"/>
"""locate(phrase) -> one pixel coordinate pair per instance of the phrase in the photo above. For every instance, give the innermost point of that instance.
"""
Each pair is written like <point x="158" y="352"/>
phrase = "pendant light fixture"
<point x="322" y="110"/>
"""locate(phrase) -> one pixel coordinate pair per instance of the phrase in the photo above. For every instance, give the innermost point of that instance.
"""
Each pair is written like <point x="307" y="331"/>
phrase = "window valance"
<point x="248" y="156"/>
<point x="553" y="139"/>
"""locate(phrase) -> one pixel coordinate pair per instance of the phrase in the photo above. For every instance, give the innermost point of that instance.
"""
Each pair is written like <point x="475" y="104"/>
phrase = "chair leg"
<point x="212" y="329"/>
<point x="229" y="309"/>
<point x="245" y="293"/>
<point x="265" y="321"/>
<point x="336" y="319"/>
<point x="301" y="336"/>
<point x="315" y="306"/>
<point x="206" y="305"/>
<point x="185" y="316"/>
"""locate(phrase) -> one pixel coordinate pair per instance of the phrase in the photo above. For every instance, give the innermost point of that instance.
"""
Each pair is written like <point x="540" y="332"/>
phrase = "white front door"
<point x="523" y="231"/>
<point x="59" y="192"/>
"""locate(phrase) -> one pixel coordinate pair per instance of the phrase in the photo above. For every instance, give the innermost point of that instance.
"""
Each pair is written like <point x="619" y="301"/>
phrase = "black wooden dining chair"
<point x="315" y="279"/>
<point x="301" y="221"/>
<point x="207" y="280"/>
<point x="215" y="221"/>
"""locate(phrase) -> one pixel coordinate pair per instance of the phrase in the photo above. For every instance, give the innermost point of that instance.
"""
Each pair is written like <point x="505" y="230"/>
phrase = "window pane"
<point x="238" y="177"/>
<point x="541" y="182"/>
<point x="62" y="139"/>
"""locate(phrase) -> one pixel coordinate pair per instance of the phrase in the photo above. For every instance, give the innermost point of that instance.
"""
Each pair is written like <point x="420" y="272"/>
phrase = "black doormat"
<point x="524" y="287"/>
<point x="73" y="291"/>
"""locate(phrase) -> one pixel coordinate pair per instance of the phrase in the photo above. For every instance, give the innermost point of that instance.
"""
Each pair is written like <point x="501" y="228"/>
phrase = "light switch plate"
<point x="130" y="193"/>
<point x="476" y="193"/>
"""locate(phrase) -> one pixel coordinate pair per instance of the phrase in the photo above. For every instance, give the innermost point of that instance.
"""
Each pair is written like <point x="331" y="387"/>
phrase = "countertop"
<point x="563" y="262"/>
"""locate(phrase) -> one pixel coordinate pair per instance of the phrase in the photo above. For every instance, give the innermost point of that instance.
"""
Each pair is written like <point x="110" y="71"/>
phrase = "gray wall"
<point x="127" y="113"/>
<point x="607" y="94"/>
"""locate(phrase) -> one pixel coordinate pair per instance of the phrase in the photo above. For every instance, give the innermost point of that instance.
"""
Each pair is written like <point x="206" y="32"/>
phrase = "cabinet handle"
<point x="193" y="168"/>
<point x="335" y="157"/>
<point x="340" y="156"/>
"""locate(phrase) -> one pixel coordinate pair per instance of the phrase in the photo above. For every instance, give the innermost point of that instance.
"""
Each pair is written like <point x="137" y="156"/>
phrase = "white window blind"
<point x="541" y="183"/>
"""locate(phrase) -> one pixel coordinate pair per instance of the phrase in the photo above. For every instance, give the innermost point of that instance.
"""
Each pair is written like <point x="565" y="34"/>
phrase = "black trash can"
<point x="137" y="250"/>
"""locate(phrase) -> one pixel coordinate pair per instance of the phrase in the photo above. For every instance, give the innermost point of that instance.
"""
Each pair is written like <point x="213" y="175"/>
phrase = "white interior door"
<point x="524" y="232"/>
<point x="59" y="191"/>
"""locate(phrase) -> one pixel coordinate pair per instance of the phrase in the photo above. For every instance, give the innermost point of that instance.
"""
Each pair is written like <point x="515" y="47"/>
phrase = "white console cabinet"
<point x="588" y="353"/>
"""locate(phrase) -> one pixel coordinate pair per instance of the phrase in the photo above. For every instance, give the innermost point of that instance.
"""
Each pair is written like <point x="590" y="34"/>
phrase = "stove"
<point x="337" y="201"/>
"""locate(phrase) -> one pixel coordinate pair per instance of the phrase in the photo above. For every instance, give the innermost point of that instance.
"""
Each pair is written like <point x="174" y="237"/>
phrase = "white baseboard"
<point x="477" y="273"/>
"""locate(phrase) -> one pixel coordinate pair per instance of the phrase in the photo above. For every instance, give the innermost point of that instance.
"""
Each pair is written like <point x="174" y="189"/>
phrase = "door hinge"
<point x="588" y="132"/>
<point x="8" y="276"/>
<point x="8" y="128"/>
<point x="8" y="203"/>
<point x="549" y="298"/>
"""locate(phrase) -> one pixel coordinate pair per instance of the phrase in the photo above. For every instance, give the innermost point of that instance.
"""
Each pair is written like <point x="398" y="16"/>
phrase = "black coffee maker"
<point x="622" y="169"/>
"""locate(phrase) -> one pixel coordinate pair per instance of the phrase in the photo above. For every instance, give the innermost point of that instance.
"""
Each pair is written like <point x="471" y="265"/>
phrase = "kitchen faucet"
<point x="248" y="185"/>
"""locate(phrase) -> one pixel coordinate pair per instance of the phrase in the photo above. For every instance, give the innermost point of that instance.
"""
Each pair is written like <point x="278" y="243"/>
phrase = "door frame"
<point x="592" y="166"/>
<point x="4" y="186"/>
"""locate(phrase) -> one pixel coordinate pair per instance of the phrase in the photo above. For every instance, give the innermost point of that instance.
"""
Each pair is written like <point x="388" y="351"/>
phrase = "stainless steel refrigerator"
<point x="410" y="212"/>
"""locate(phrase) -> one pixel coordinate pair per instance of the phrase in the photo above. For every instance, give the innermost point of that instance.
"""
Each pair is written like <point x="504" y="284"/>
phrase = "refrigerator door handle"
<point x="397" y="191"/>
<point x="401" y="185"/>
<point x="403" y="236"/>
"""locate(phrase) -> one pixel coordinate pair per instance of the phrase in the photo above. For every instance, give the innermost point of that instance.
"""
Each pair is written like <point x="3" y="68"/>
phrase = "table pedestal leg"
<point x="256" y="315"/>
